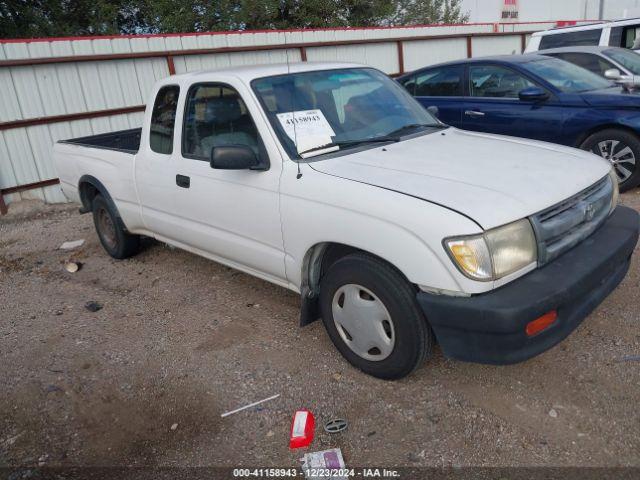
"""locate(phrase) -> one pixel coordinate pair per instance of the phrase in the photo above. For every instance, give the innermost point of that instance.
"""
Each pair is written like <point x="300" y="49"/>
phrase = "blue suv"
<point x="538" y="97"/>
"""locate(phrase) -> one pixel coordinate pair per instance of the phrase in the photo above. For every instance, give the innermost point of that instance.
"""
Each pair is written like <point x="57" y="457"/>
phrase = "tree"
<point x="423" y="12"/>
<point x="42" y="18"/>
<point x="198" y="15"/>
<point x="39" y="18"/>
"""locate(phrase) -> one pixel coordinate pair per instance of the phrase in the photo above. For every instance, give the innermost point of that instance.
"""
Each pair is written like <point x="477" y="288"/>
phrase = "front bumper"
<point x="490" y="327"/>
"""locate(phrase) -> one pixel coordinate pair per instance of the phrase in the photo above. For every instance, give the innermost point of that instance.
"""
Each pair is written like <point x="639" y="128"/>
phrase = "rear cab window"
<point x="163" y="120"/>
<point x="581" y="38"/>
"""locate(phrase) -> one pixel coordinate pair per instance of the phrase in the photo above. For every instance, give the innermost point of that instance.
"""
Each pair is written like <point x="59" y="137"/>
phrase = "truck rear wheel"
<point x="622" y="149"/>
<point x="372" y="316"/>
<point x="114" y="238"/>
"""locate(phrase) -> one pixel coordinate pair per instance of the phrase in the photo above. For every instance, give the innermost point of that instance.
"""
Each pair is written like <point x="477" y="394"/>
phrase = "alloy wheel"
<point x="620" y="155"/>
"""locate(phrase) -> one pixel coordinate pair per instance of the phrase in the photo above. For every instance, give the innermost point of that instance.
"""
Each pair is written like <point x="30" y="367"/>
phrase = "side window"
<point x="440" y="82"/>
<point x="571" y="39"/>
<point x="631" y="37"/>
<point x="409" y="83"/>
<point x="216" y="115"/>
<point x="615" y="37"/>
<point x="163" y="119"/>
<point x="494" y="81"/>
<point x="591" y="62"/>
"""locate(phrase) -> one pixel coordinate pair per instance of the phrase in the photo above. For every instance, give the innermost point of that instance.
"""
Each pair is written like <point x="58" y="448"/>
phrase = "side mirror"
<point x="612" y="74"/>
<point x="234" y="157"/>
<point x="533" y="94"/>
<point x="433" y="110"/>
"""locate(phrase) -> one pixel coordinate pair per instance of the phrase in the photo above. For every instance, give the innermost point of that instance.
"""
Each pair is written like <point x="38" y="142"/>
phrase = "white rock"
<point x="71" y="245"/>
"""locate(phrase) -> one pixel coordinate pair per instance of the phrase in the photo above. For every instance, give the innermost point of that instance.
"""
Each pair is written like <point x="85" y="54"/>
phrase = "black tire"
<point x="111" y="231"/>
<point x="414" y="338"/>
<point x="625" y="139"/>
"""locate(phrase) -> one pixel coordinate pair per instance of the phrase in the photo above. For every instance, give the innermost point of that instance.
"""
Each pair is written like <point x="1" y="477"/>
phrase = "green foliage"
<point x="197" y="15"/>
<point x="31" y="18"/>
<point x="420" y="12"/>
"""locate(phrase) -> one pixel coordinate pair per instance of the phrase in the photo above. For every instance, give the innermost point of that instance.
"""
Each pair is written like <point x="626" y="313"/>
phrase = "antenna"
<point x="293" y="113"/>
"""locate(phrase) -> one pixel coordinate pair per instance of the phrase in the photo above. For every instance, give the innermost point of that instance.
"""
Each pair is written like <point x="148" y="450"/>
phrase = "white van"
<point x="620" y="33"/>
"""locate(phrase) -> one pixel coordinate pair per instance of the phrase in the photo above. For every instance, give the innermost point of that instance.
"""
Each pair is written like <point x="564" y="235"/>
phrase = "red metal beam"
<point x="303" y="54"/>
<point x="30" y="186"/>
<point x="170" y="65"/>
<point x="469" y="46"/>
<point x="295" y="30"/>
<point x="400" y="57"/>
<point x="22" y="188"/>
<point x="248" y="48"/>
<point x="3" y="206"/>
<point x="69" y="117"/>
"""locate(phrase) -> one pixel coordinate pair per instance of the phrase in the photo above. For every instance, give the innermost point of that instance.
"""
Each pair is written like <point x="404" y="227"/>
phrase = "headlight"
<point x="495" y="253"/>
<point x="613" y="176"/>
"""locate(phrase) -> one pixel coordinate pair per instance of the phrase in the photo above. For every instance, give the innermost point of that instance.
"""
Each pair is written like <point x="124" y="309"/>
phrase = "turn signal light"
<point x="541" y="323"/>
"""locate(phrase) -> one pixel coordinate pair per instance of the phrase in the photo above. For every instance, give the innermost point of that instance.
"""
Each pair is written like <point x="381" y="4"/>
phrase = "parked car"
<point x="612" y="63"/>
<point x="620" y="33"/>
<point x="330" y="180"/>
<point x="538" y="97"/>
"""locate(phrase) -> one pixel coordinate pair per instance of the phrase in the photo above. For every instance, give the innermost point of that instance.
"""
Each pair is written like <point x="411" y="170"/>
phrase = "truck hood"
<point x="492" y="179"/>
<point x="612" y="97"/>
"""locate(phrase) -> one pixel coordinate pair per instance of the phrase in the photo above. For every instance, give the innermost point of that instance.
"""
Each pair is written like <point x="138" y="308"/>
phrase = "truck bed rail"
<point x="127" y="141"/>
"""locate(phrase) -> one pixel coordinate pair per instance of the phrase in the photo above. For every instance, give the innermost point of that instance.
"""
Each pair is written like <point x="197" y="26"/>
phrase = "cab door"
<point x="233" y="215"/>
<point x="493" y="105"/>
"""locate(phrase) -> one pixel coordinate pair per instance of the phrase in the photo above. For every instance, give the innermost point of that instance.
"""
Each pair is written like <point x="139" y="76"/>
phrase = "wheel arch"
<point x="316" y="262"/>
<point x="600" y="128"/>
<point x="88" y="188"/>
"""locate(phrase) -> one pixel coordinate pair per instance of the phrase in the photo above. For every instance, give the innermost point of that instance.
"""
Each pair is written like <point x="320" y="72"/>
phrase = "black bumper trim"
<point x="490" y="328"/>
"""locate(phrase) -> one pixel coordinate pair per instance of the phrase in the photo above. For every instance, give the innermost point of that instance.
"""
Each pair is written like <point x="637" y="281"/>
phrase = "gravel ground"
<point x="181" y="339"/>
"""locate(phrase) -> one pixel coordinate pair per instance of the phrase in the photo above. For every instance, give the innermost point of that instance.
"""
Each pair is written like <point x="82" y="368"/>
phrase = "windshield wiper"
<point x="352" y="143"/>
<point x="413" y="126"/>
<point x="393" y="136"/>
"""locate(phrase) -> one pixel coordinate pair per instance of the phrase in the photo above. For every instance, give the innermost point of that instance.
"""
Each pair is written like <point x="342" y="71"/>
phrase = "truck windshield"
<point x="342" y="108"/>
<point x="628" y="59"/>
<point x="565" y="76"/>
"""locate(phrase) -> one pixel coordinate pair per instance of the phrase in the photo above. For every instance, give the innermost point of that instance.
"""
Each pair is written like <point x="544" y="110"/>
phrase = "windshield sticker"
<point x="308" y="127"/>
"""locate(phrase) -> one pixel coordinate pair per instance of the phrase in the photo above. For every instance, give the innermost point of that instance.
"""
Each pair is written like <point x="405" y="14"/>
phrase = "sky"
<point x="540" y="10"/>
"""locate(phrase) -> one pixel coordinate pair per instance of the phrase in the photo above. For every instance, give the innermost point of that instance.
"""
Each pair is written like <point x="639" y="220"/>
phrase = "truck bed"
<point x="127" y="141"/>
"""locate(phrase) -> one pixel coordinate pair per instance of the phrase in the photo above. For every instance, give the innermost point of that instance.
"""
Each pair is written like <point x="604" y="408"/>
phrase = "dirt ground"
<point x="181" y="339"/>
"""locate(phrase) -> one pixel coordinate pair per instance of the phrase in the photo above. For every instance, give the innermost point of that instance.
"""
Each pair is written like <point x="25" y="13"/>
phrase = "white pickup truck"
<point x="399" y="232"/>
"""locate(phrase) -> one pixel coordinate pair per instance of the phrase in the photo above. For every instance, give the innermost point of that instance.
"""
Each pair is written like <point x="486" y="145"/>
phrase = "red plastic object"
<point x="302" y="428"/>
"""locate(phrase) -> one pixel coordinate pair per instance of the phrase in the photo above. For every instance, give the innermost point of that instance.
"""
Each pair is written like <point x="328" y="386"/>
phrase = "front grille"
<point x="561" y="227"/>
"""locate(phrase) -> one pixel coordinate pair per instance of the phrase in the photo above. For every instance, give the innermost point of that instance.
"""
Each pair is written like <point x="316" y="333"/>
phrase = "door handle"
<point x="183" y="181"/>
<point x="473" y="113"/>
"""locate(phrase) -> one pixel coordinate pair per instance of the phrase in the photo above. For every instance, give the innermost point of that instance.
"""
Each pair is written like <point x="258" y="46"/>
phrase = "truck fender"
<point x="88" y="187"/>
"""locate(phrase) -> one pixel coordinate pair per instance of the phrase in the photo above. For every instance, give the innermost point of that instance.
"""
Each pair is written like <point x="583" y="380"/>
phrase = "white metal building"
<point x="554" y="10"/>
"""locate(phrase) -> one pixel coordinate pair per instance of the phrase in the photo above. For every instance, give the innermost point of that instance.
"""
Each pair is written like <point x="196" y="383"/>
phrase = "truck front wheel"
<point x="114" y="238"/>
<point x="372" y="316"/>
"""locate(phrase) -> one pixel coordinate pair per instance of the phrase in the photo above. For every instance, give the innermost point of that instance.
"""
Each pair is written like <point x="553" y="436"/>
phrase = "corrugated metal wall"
<point x="34" y="89"/>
